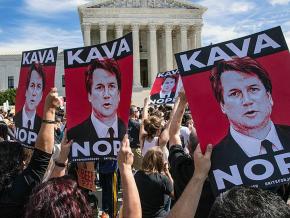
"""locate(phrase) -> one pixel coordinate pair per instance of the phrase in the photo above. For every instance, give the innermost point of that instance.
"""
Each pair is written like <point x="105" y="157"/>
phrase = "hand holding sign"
<point x="202" y="162"/>
<point x="125" y="155"/>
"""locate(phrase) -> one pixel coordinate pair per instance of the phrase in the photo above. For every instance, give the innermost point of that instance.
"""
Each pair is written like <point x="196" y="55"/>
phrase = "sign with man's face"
<point x="36" y="79"/>
<point x="98" y="112"/>
<point x="239" y="100"/>
<point x="164" y="90"/>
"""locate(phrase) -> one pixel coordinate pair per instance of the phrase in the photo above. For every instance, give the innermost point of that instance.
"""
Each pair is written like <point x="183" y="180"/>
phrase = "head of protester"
<point x="58" y="198"/>
<point x="134" y="112"/>
<point x="243" y="89"/>
<point x="103" y="85"/>
<point x="153" y="161"/>
<point x="3" y="131"/>
<point x="152" y="126"/>
<point x="249" y="202"/>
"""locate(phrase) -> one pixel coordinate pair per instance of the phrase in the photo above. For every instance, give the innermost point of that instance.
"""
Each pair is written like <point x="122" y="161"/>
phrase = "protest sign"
<point x="238" y="93"/>
<point x="36" y="80"/>
<point x="164" y="90"/>
<point x="98" y="95"/>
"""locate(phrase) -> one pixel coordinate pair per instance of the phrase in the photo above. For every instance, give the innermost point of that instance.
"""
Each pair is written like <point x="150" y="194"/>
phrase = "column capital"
<point x="152" y="27"/>
<point x="103" y="26"/>
<point x="198" y="27"/>
<point x="118" y="26"/>
<point x="168" y="26"/>
<point x="184" y="27"/>
<point x="135" y="26"/>
<point x="86" y="26"/>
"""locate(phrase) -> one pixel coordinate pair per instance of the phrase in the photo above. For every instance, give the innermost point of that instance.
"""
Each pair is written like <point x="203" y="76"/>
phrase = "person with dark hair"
<point x="58" y="198"/>
<point x="35" y="85"/>
<point x="103" y="85"/>
<point x="3" y="131"/>
<point x="154" y="184"/>
<point x="15" y="183"/>
<point x="182" y="164"/>
<point x="249" y="202"/>
<point x="189" y="202"/>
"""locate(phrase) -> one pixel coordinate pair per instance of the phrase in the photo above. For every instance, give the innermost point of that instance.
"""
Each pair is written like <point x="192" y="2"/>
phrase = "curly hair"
<point x="10" y="163"/>
<point x="58" y="198"/>
<point x="152" y="125"/>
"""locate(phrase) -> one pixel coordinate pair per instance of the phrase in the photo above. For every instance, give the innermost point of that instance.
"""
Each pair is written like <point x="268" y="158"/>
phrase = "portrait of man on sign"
<point x="35" y="85"/>
<point x="103" y="85"/>
<point x="164" y="89"/>
<point x="243" y="89"/>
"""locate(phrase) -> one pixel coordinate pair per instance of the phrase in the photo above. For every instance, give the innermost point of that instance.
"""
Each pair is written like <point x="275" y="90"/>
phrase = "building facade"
<point x="160" y="29"/>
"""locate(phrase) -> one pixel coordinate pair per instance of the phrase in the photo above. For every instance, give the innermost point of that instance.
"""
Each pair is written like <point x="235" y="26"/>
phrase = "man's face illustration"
<point x="168" y="84"/>
<point x="247" y="104"/>
<point x="33" y="93"/>
<point x="105" y="95"/>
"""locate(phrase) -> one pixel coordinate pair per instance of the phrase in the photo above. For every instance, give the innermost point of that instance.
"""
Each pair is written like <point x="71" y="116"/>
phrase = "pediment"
<point x="142" y="4"/>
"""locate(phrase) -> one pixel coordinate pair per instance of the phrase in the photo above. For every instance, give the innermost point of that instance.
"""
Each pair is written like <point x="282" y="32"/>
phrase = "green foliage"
<point x="9" y="95"/>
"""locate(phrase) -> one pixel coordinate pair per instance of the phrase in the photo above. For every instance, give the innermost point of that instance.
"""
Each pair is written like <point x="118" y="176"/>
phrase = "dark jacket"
<point x="227" y="153"/>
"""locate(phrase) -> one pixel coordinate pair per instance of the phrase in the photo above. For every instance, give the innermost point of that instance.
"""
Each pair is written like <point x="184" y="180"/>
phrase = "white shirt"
<point x="252" y="146"/>
<point x="102" y="129"/>
<point x="163" y="95"/>
<point x="185" y="132"/>
<point x="147" y="145"/>
<point x="25" y="119"/>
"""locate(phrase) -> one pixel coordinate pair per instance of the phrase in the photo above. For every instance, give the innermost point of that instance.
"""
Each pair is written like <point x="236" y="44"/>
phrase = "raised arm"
<point x="164" y="137"/>
<point x="62" y="161"/>
<point x="174" y="130"/>
<point x="131" y="199"/>
<point x="45" y="137"/>
<point x="142" y="132"/>
<point x="187" y="203"/>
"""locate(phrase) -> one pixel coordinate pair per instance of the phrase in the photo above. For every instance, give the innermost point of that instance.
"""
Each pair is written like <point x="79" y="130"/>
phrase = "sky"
<point x="33" y="24"/>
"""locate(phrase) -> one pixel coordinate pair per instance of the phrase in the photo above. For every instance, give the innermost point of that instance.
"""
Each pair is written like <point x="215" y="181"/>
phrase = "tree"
<point x="9" y="95"/>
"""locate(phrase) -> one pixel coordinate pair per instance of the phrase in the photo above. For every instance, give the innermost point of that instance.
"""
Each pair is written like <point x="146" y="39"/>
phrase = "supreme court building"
<point x="160" y="29"/>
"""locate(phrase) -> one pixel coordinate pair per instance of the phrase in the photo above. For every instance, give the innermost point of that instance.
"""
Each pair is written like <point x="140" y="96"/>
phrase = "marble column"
<point x="183" y="37"/>
<point x="103" y="32"/>
<point x="153" y="53"/>
<point x="198" y="36"/>
<point x="119" y="30"/>
<point x="193" y="37"/>
<point x="136" y="56"/>
<point x="87" y="33"/>
<point x="168" y="47"/>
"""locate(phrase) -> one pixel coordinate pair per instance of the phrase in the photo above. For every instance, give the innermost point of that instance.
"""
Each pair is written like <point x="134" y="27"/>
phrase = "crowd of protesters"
<point x="162" y="170"/>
